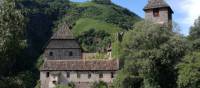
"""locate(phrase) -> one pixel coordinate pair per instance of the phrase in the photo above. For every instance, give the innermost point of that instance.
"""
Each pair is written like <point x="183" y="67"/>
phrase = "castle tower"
<point x="160" y="12"/>
<point x="63" y="46"/>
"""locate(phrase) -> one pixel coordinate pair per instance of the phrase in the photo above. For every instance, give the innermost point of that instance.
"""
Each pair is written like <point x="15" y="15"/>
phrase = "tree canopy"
<point x="150" y="53"/>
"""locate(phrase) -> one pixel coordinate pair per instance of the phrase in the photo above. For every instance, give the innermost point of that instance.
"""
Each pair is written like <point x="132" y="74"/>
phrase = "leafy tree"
<point x="194" y="35"/>
<point x="189" y="71"/>
<point x="151" y="53"/>
<point x="12" y="40"/>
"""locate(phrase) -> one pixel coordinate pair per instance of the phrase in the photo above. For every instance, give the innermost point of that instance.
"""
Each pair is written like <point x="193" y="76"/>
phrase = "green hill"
<point x="109" y="18"/>
<point x="94" y="25"/>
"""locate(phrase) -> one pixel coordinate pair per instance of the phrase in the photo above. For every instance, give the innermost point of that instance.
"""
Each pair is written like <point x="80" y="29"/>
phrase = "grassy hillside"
<point x="85" y="24"/>
<point x="109" y="18"/>
<point x="94" y="25"/>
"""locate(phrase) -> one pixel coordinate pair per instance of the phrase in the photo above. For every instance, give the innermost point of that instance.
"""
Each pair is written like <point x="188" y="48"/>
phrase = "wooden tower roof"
<point x="152" y="4"/>
<point x="63" y="39"/>
<point x="63" y="33"/>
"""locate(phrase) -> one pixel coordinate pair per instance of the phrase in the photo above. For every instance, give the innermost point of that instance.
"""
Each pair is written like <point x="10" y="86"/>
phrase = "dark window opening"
<point x="112" y="74"/>
<point x="54" y="82"/>
<point x="89" y="75"/>
<point x="47" y="74"/>
<point x="78" y="75"/>
<point x="50" y="53"/>
<point x="70" y="53"/>
<point x="68" y="74"/>
<point x="156" y="12"/>
<point x="100" y="75"/>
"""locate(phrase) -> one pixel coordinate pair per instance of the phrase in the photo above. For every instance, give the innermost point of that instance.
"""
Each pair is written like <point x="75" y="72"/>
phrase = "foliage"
<point x="69" y="85"/>
<point x="99" y="84"/>
<point x="20" y="68"/>
<point x="157" y="49"/>
<point x="195" y="35"/>
<point x="11" y="35"/>
<point x="102" y="1"/>
<point x="189" y="72"/>
<point x="95" y="41"/>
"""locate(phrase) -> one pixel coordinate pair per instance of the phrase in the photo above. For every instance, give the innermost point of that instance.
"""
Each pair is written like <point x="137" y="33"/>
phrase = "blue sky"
<point x="185" y="11"/>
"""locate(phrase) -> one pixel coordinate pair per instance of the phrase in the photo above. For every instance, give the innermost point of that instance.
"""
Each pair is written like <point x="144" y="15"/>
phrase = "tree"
<point x="194" y="35"/>
<point x="150" y="52"/>
<point x="189" y="71"/>
<point x="12" y="40"/>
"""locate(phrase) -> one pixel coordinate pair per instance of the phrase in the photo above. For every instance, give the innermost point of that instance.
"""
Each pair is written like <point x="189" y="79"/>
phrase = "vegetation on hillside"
<point x="26" y="26"/>
<point x="152" y="56"/>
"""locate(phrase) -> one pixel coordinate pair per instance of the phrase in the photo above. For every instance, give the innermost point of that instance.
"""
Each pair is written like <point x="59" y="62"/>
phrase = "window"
<point x="155" y="12"/>
<point x="50" y="53"/>
<point x="78" y="75"/>
<point x="100" y="75"/>
<point x="89" y="75"/>
<point x="54" y="82"/>
<point x="47" y="74"/>
<point x="68" y="74"/>
<point x="70" y="53"/>
<point x="112" y="74"/>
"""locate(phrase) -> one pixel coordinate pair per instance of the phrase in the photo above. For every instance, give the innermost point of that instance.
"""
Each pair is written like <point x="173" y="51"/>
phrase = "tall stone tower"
<point x="160" y="12"/>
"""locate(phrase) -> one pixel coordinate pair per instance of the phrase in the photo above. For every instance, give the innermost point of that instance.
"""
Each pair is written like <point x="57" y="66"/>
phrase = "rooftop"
<point x="80" y="65"/>
<point x="156" y="4"/>
<point x="63" y="33"/>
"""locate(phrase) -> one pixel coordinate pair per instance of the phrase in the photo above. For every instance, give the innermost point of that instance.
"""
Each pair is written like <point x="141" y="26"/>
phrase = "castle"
<point x="64" y="60"/>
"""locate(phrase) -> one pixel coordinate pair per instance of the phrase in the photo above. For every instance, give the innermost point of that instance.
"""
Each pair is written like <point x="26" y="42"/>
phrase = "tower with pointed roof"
<point x="63" y="46"/>
<point x="159" y="11"/>
<point x="63" y="63"/>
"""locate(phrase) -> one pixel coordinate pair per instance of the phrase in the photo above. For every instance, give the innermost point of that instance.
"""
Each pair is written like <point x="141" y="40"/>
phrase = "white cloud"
<point x="190" y="8"/>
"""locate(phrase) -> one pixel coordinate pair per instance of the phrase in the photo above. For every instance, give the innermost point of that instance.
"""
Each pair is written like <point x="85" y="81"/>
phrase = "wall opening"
<point x="156" y="13"/>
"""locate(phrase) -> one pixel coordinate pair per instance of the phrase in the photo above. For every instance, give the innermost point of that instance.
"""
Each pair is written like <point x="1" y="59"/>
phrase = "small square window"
<point x="112" y="74"/>
<point x="47" y="74"/>
<point x="54" y="82"/>
<point x="100" y="75"/>
<point x="70" y="53"/>
<point x="50" y="53"/>
<point x="89" y="75"/>
<point x="68" y="74"/>
<point x="78" y="75"/>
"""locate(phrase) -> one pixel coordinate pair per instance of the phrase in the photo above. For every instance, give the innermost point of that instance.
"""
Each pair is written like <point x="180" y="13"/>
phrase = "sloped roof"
<point x="64" y="44"/>
<point x="80" y="65"/>
<point x="63" y="33"/>
<point x="156" y="4"/>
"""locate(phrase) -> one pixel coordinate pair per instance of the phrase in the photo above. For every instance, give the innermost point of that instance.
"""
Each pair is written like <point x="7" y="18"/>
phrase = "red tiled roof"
<point x="80" y="65"/>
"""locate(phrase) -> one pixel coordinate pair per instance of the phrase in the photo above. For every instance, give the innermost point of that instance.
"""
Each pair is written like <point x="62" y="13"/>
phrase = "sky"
<point x="185" y="11"/>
